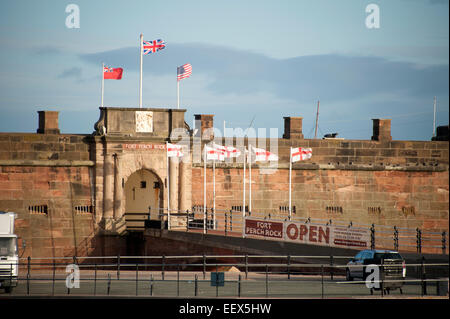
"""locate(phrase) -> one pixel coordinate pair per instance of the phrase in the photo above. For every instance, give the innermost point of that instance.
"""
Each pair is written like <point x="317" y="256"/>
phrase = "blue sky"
<point x="250" y="59"/>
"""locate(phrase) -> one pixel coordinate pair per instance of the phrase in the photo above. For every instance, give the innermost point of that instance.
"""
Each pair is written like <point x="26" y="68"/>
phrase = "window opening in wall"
<point x="374" y="210"/>
<point x="334" y="209"/>
<point x="143" y="184"/>
<point x="286" y="209"/>
<point x="38" y="209"/>
<point x="84" y="209"/>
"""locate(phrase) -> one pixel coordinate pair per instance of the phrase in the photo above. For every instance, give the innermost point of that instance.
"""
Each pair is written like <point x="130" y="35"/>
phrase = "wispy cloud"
<point x="334" y="77"/>
<point x="72" y="73"/>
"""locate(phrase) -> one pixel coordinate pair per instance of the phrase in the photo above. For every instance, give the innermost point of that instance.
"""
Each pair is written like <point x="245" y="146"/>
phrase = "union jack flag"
<point x="153" y="46"/>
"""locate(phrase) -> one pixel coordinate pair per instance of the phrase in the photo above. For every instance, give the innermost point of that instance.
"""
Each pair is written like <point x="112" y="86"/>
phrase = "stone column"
<point x="173" y="175"/>
<point x="99" y="170"/>
<point x="118" y="190"/>
<point x="185" y="185"/>
<point x="108" y="191"/>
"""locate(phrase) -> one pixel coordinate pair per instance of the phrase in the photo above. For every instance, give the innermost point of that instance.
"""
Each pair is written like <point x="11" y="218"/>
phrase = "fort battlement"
<point x="72" y="191"/>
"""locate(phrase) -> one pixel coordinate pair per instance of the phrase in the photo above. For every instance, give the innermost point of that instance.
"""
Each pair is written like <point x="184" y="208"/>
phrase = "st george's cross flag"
<point x="174" y="150"/>
<point x="261" y="155"/>
<point x="112" y="73"/>
<point x="184" y="71"/>
<point x="300" y="154"/>
<point x="213" y="153"/>
<point x="228" y="151"/>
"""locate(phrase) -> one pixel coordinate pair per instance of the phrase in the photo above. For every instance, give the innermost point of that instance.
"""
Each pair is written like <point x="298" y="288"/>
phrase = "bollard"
<point x="372" y="237"/>
<point x="118" y="266"/>
<point x="178" y="280"/>
<point x="53" y="283"/>
<point x="395" y="238"/>
<point x="28" y="274"/>
<point x="246" y="266"/>
<point x="443" y="242"/>
<point x="109" y="285"/>
<point x="151" y="285"/>
<point x="204" y="266"/>
<point x="187" y="220"/>
<point x="419" y="240"/>
<point x="95" y="279"/>
<point x="321" y="269"/>
<point x="162" y="266"/>
<point x="289" y="266"/>
<point x="267" y="281"/>
<point x="423" y="277"/>
<point x="137" y="271"/>
<point x="196" y="286"/>
<point x="226" y="223"/>
<point x="239" y="286"/>
<point x="231" y="220"/>
<point x="331" y="267"/>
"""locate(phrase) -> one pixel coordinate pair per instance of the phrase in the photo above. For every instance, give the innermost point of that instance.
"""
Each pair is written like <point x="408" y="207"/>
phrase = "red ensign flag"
<point x="112" y="73"/>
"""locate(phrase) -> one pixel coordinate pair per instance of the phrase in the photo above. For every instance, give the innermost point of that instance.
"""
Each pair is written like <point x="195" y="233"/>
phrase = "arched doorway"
<point x="143" y="198"/>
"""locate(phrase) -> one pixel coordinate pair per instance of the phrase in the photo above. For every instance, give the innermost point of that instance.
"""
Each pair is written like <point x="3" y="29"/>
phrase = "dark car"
<point x="391" y="263"/>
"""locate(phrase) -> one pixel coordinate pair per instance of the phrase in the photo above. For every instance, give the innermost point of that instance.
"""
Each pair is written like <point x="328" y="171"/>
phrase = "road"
<point x="184" y="284"/>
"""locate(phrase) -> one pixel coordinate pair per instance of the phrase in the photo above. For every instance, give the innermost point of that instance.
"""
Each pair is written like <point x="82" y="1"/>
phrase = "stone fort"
<point x="73" y="192"/>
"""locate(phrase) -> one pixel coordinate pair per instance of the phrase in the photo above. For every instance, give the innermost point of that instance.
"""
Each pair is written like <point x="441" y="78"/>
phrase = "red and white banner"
<point x="174" y="150"/>
<point x="338" y="236"/>
<point x="306" y="233"/>
<point x="228" y="151"/>
<point x="300" y="154"/>
<point x="213" y="153"/>
<point x="261" y="155"/>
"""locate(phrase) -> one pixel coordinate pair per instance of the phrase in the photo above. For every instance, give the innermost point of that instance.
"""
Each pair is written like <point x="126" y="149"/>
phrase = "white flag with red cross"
<point x="300" y="154"/>
<point x="174" y="150"/>
<point x="261" y="155"/>
<point x="228" y="151"/>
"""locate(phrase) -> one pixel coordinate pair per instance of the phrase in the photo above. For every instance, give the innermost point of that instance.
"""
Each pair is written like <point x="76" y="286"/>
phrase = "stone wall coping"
<point x="156" y="109"/>
<point x="57" y="163"/>
<point x="348" y="167"/>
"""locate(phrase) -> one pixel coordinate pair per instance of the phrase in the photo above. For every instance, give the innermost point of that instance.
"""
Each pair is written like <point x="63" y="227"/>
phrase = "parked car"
<point x="391" y="263"/>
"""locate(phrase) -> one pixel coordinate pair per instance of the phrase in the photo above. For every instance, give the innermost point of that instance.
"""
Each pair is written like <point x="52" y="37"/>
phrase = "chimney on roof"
<point x="48" y="122"/>
<point x="206" y="122"/>
<point x="293" y="128"/>
<point x="381" y="130"/>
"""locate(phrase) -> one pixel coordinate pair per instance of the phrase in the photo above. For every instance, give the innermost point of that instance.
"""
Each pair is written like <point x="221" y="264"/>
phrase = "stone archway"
<point x="144" y="194"/>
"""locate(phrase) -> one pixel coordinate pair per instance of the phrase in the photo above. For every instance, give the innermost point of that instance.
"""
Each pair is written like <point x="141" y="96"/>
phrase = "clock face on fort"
<point x="144" y="121"/>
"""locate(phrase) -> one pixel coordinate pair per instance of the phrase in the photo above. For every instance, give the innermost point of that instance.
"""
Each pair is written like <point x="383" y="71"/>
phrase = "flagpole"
<point x="214" y="193"/>
<point x="250" y="178"/>
<point x="243" y="199"/>
<point x="178" y="94"/>
<point x="140" y="78"/>
<point x="168" y="186"/>
<point x="103" y="81"/>
<point x="290" y="182"/>
<point x="204" y="189"/>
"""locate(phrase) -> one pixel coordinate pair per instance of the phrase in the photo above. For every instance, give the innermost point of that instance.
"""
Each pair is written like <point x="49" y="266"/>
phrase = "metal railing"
<point x="230" y="222"/>
<point x="197" y="276"/>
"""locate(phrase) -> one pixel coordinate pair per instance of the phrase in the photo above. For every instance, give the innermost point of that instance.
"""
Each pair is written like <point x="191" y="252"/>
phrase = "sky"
<point x="253" y="63"/>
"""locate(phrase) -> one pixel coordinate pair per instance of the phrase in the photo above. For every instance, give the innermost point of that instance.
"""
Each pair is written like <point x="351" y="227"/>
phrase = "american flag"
<point x="184" y="71"/>
<point x="153" y="46"/>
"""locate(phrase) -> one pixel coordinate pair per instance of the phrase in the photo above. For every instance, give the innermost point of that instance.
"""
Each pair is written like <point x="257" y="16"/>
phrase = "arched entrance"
<point x="143" y="198"/>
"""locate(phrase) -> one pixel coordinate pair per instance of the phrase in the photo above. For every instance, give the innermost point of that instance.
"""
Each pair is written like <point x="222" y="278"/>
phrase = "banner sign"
<point x="325" y="235"/>
<point x="264" y="228"/>
<point x="144" y="146"/>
